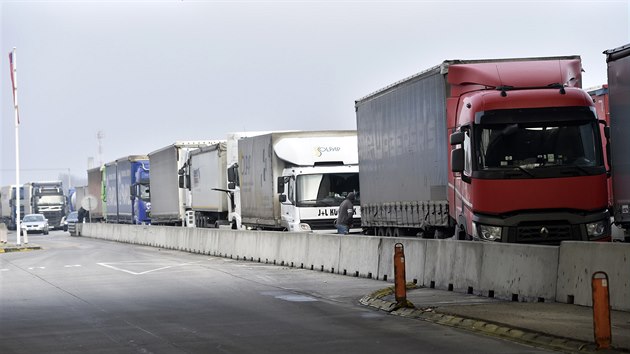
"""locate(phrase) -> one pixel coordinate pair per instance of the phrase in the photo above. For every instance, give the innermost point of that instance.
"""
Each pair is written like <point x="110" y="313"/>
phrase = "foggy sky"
<point x="149" y="73"/>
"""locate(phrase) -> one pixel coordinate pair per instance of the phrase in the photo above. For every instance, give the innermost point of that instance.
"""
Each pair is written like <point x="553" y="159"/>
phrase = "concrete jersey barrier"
<point x="507" y="271"/>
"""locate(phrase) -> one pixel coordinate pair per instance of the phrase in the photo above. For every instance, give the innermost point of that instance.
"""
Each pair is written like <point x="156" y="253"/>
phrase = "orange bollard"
<point x="399" y="274"/>
<point x="601" y="310"/>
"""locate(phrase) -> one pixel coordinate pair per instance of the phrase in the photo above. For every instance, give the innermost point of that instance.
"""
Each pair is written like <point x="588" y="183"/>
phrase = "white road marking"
<point x="4" y="270"/>
<point x="72" y="265"/>
<point x="31" y="268"/>
<point x="109" y="265"/>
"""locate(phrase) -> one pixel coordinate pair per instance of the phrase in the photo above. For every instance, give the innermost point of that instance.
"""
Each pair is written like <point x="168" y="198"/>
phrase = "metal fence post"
<point x="399" y="274"/>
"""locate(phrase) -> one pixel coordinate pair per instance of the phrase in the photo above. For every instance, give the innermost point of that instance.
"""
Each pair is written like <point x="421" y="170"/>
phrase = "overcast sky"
<point x="148" y="73"/>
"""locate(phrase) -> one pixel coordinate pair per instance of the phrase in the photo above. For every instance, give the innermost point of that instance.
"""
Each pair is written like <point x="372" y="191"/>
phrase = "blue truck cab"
<point x="127" y="190"/>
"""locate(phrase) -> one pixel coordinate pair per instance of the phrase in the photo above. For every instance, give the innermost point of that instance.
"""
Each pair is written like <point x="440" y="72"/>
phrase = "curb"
<point x="19" y="249"/>
<point x="504" y="331"/>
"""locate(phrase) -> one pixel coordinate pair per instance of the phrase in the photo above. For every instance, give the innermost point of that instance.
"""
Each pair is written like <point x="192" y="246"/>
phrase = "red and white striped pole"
<point x="18" y="202"/>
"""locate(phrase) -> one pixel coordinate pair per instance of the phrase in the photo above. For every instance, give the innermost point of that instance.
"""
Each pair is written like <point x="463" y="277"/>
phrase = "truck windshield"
<point x="530" y="147"/>
<point x="329" y="189"/>
<point x="50" y="199"/>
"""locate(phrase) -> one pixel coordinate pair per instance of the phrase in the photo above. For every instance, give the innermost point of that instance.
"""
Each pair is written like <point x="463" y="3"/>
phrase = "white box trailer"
<point x="95" y="188"/>
<point x="169" y="202"/>
<point x="205" y="173"/>
<point x="295" y="181"/>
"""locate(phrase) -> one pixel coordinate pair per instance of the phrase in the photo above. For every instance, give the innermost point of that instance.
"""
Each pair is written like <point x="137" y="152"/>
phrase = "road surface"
<point x="80" y="295"/>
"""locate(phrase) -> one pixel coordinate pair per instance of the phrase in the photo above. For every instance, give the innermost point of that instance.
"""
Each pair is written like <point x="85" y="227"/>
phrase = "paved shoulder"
<point x="554" y="326"/>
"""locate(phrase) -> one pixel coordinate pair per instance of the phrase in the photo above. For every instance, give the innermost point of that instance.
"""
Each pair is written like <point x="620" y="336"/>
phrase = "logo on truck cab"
<point x="320" y="150"/>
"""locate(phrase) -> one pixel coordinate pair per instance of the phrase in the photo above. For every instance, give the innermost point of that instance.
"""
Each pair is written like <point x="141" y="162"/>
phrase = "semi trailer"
<point x="127" y="190"/>
<point x="505" y="150"/>
<point x="169" y="201"/>
<point x="203" y="175"/>
<point x="618" y="62"/>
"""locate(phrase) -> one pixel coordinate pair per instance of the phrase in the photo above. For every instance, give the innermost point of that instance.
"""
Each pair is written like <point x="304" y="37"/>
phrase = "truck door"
<point x="287" y="201"/>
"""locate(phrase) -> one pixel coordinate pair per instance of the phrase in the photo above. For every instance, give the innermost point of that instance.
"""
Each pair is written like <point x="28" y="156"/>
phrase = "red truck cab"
<point x="527" y="160"/>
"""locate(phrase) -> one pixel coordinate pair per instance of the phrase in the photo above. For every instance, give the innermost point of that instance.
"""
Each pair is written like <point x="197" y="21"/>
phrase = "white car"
<point x="35" y="223"/>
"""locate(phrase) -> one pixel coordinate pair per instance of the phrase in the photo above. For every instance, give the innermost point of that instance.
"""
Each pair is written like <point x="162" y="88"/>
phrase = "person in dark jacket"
<point x="345" y="214"/>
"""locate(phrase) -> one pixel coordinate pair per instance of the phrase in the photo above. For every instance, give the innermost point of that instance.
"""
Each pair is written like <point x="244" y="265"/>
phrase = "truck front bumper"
<point x="543" y="228"/>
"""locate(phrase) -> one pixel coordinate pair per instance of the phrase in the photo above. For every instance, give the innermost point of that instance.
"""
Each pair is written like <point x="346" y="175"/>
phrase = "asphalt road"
<point x="80" y="295"/>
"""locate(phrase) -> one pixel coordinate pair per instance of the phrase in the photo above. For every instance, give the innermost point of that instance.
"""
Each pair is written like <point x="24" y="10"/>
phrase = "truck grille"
<point x="544" y="234"/>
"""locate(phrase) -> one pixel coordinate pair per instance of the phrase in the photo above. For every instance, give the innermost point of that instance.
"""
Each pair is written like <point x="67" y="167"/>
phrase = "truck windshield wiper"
<point x="579" y="168"/>
<point x="525" y="171"/>
<point x="518" y="171"/>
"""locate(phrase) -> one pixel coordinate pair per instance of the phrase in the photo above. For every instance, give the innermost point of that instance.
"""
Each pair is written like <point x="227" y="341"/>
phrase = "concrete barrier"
<point x="578" y="262"/>
<point x="507" y="271"/>
<point x="520" y="272"/>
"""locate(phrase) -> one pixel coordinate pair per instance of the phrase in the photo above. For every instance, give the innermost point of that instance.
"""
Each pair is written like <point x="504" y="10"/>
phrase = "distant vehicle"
<point x="35" y="223"/>
<point x="72" y="220"/>
<point x="7" y="206"/>
<point x="47" y="198"/>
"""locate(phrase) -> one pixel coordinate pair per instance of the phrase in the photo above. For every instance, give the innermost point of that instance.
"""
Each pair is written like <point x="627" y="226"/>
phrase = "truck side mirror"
<point x="457" y="138"/>
<point x="232" y="174"/>
<point x="457" y="160"/>
<point x="132" y="192"/>
<point x="282" y="198"/>
<point x="231" y="185"/>
<point x="281" y="181"/>
<point x="181" y="181"/>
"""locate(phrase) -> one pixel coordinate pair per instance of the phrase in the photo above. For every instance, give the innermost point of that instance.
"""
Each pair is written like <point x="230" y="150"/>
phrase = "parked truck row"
<point x="506" y="150"/>
<point x="256" y="180"/>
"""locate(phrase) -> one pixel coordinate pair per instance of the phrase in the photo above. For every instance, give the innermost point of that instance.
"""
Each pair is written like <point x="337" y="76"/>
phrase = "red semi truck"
<point x="504" y="150"/>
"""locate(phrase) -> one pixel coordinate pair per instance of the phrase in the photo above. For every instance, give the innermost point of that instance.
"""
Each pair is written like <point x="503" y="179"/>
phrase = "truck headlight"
<point x="304" y="227"/>
<point x="596" y="229"/>
<point x="487" y="232"/>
